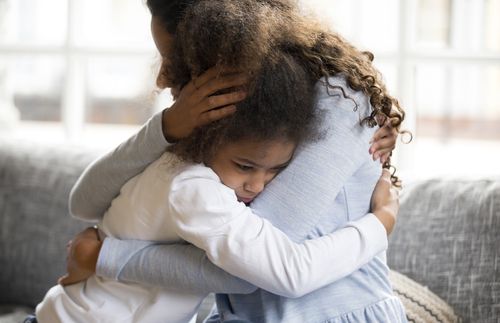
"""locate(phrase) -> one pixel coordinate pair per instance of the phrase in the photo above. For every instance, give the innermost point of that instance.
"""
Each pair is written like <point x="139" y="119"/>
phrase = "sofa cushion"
<point x="447" y="238"/>
<point x="14" y="314"/>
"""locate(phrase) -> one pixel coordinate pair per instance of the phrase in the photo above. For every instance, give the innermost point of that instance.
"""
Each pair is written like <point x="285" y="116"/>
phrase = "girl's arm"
<point x="207" y="214"/>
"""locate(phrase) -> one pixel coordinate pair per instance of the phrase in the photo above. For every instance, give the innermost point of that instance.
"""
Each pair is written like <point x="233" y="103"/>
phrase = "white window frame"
<point x="405" y="59"/>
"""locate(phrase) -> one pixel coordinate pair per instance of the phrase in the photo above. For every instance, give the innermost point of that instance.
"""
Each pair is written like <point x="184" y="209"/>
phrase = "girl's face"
<point x="247" y="166"/>
<point x="164" y="42"/>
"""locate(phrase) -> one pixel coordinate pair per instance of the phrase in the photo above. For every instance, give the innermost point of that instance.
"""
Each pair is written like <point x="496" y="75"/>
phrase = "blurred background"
<point x="82" y="72"/>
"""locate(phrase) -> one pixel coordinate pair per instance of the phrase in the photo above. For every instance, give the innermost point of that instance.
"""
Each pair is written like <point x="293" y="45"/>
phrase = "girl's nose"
<point x="255" y="184"/>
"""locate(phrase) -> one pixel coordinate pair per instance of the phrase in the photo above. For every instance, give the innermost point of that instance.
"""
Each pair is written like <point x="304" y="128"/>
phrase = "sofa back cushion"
<point x="448" y="238"/>
<point x="35" y="181"/>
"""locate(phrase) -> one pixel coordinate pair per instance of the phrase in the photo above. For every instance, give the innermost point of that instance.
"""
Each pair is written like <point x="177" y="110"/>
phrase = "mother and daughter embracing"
<point x="262" y="183"/>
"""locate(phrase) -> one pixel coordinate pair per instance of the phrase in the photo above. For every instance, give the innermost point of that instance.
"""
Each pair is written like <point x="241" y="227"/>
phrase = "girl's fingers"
<point x="217" y="101"/>
<point x="382" y="144"/>
<point x="385" y="157"/>
<point x="385" y="131"/>
<point x="216" y="114"/>
<point x="381" y="152"/>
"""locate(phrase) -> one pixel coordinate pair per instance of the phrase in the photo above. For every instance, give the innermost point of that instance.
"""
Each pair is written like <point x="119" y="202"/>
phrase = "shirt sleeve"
<point x="207" y="214"/>
<point x="190" y="272"/>
<point x="102" y="180"/>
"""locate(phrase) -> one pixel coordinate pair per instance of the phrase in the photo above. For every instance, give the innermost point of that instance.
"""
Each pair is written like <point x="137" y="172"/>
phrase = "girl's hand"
<point x="82" y="254"/>
<point x="383" y="142"/>
<point x="385" y="201"/>
<point x="197" y="106"/>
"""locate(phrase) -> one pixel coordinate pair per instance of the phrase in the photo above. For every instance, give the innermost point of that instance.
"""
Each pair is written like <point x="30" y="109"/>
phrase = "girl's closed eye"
<point x="243" y="167"/>
<point x="278" y="170"/>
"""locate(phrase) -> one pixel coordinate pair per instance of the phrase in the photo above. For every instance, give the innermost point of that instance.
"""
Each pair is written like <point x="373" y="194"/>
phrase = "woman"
<point x="327" y="184"/>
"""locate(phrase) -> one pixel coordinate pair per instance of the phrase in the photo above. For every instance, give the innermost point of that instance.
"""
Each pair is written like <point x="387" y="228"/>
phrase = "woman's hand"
<point x="383" y="142"/>
<point x="385" y="201"/>
<point x="197" y="106"/>
<point x="82" y="254"/>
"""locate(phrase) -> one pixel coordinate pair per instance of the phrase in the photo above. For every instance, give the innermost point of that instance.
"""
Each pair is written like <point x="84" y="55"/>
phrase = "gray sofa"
<point x="447" y="237"/>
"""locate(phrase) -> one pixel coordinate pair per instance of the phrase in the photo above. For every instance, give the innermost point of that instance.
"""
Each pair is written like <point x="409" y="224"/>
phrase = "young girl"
<point x="214" y="172"/>
<point x="327" y="184"/>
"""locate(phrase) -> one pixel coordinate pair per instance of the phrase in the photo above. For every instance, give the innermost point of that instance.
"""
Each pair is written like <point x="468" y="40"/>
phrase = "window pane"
<point x="120" y="90"/>
<point x="459" y="25"/>
<point x="433" y="23"/>
<point x="35" y="85"/>
<point x="459" y="101"/>
<point x="379" y="25"/>
<point x="365" y="28"/>
<point x="389" y="75"/>
<point x="492" y="25"/>
<point x="112" y="23"/>
<point x="33" y="22"/>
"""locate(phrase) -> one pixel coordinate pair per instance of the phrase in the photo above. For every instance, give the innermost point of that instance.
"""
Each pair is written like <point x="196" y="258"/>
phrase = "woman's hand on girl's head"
<point x="383" y="142"/>
<point x="385" y="201"/>
<point x="81" y="259"/>
<point x="197" y="105"/>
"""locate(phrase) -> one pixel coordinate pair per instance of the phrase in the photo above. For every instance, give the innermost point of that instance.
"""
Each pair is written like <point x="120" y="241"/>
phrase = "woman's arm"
<point x="186" y="269"/>
<point x="101" y="182"/>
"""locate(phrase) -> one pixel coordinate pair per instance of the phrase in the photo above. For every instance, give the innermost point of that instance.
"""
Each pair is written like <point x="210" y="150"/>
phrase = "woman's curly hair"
<point x="243" y="33"/>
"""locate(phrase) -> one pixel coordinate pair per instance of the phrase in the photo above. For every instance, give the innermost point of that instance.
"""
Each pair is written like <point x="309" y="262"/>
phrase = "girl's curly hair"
<point x="243" y="33"/>
<point x="280" y="106"/>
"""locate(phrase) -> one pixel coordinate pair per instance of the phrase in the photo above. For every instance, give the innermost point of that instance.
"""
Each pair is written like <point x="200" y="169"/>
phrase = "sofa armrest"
<point x="448" y="238"/>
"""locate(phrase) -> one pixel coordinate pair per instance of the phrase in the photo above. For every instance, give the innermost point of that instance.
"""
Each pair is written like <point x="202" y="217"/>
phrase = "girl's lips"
<point x="245" y="200"/>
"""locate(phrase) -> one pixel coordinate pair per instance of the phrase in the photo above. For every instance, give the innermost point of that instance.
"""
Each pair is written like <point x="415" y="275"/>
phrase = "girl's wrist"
<point x="387" y="219"/>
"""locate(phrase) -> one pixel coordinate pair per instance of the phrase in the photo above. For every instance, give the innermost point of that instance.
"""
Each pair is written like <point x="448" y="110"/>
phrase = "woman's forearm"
<point x="92" y="194"/>
<point x="176" y="267"/>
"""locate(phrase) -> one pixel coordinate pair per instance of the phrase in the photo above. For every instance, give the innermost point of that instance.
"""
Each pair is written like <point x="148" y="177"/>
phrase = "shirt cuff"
<point x="156" y="123"/>
<point x="373" y="231"/>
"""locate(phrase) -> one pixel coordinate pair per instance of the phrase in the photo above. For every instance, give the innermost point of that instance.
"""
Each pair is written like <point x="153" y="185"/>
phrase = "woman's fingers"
<point x="216" y="114"/>
<point x="198" y="103"/>
<point x="223" y="83"/>
<point x="210" y="75"/>
<point x="217" y="101"/>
